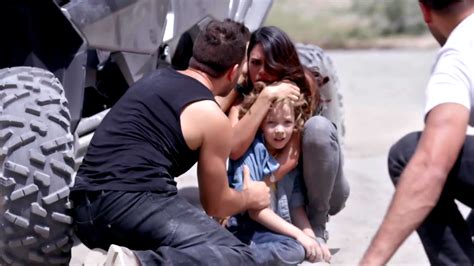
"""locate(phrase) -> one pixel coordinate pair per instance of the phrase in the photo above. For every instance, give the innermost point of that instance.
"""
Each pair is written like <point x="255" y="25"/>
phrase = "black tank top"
<point x="139" y="146"/>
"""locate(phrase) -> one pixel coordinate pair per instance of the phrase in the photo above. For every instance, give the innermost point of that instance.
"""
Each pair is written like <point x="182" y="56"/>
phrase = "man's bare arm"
<point x="226" y="102"/>
<point x="422" y="181"/>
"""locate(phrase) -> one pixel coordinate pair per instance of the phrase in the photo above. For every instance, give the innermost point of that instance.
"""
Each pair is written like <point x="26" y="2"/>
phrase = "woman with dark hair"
<point x="272" y="59"/>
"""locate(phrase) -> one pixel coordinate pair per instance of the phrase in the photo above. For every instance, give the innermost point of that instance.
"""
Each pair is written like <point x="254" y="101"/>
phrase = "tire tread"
<point x="35" y="171"/>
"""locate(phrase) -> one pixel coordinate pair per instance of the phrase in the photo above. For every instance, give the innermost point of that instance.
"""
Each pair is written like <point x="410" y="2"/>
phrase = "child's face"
<point x="278" y="126"/>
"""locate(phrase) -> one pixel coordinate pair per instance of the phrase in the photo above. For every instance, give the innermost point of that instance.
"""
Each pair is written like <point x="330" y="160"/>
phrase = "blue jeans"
<point x="269" y="248"/>
<point x="160" y="229"/>
<point x="444" y="233"/>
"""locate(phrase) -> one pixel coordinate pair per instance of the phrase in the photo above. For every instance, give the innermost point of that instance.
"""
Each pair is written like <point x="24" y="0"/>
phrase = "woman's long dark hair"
<point x="281" y="59"/>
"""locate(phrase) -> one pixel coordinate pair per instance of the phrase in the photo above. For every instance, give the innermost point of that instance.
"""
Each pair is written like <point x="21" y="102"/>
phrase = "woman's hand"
<point x="292" y="150"/>
<point x="282" y="89"/>
<point x="311" y="246"/>
<point x="289" y="157"/>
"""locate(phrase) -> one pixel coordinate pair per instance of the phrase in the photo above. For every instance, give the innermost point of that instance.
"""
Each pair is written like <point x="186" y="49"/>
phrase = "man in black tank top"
<point x="125" y="193"/>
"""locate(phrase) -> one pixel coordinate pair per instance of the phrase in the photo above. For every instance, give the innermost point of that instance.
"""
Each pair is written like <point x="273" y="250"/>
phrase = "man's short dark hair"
<point x="439" y="4"/>
<point x="219" y="46"/>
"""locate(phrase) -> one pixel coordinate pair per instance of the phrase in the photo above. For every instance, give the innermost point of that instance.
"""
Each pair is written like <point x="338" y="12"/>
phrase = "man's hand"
<point x="256" y="193"/>
<point x="283" y="89"/>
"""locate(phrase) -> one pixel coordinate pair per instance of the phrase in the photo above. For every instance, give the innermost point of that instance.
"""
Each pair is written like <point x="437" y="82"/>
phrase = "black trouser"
<point x="161" y="230"/>
<point x="444" y="233"/>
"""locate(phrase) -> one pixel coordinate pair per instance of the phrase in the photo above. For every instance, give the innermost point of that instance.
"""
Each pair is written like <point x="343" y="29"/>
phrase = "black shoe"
<point x="321" y="232"/>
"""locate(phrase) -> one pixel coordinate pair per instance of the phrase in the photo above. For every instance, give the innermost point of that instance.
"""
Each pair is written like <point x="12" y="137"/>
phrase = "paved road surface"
<point x="383" y="97"/>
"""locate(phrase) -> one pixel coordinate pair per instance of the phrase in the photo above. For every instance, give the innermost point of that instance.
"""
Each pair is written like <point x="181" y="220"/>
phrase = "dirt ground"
<point x="383" y="94"/>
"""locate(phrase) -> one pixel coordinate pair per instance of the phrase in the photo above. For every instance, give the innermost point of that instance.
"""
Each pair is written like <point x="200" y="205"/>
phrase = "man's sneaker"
<point x="121" y="256"/>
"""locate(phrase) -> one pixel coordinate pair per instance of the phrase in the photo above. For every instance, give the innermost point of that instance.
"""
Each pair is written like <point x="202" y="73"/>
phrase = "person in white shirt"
<point x="435" y="167"/>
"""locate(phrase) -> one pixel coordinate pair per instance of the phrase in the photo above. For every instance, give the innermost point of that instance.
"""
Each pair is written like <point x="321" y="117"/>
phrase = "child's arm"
<point x="272" y="221"/>
<point x="300" y="220"/>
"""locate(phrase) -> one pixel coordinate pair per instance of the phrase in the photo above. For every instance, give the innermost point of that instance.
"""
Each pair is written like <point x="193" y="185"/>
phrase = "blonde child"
<point x="280" y="234"/>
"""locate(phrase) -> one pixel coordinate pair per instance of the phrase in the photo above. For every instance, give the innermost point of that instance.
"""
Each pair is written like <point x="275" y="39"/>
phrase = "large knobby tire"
<point x="331" y="105"/>
<point x="36" y="160"/>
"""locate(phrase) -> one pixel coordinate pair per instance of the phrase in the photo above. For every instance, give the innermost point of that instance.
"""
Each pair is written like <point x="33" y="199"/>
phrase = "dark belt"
<point x="86" y="197"/>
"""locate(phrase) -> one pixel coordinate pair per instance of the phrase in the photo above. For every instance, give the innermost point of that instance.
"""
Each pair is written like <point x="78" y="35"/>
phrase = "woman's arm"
<point x="289" y="157"/>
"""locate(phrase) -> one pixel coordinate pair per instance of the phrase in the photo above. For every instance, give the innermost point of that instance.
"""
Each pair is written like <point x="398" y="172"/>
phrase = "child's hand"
<point x="311" y="246"/>
<point x="325" y="251"/>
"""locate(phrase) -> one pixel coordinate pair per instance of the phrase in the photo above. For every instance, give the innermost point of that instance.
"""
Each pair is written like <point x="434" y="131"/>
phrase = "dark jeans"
<point x="269" y="248"/>
<point x="444" y="233"/>
<point x="161" y="230"/>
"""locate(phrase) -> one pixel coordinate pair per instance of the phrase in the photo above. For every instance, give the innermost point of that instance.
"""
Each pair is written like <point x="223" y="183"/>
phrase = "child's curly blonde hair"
<point x="300" y="107"/>
<point x="305" y="106"/>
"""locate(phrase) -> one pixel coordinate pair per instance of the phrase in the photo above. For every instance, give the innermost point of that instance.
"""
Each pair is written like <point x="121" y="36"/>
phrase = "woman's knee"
<point x="318" y="130"/>
<point x="400" y="153"/>
<point x="338" y="202"/>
